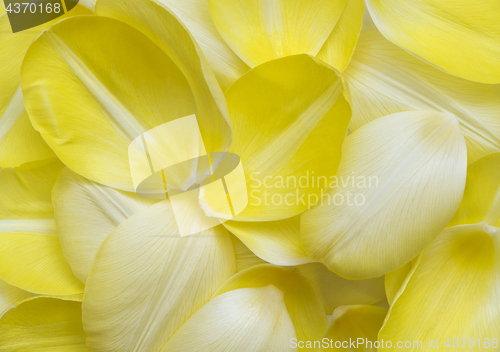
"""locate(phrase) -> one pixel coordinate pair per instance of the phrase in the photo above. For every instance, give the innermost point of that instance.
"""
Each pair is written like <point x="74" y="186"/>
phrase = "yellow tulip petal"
<point x="159" y="24"/>
<point x="107" y="85"/>
<point x="396" y="280"/>
<point x="301" y="300"/>
<point x="19" y="142"/>
<point x="402" y="177"/>
<point x="43" y="324"/>
<point x="31" y="257"/>
<point x="452" y="294"/>
<point x="147" y="281"/>
<point x="263" y="31"/>
<point x="195" y="15"/>
<point x="336" y="291"/>
<point x="10" y="295"/>
<point x="86" y="213"/>
<point x="358" y="323"/>
<point x="339" y="46"/>
<point x="384" y="79"/>
<point x="246" y="319"/>
<point x="461" y="37"/>
<point x="289" y="116"/>
<point x="244" y="256"/>
<point x="277" y="242"/>
<point x="481" y="201"/>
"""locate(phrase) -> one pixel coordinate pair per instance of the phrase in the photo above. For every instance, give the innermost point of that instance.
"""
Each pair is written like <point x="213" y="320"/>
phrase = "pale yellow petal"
<point x="357" y="323"/>
<point x="86" y="213"/>
<point x="245" y="258"/>
<point x="266" y="30"/>
<point x="277" y="242"/>
<point x="481" y="201"/>
<point x="384" y="79"/>
<point x="289" y="119"/>
<point x="301" y="300"/>
<point x="10" y="295"/>
<point x="339" y="46"/>
<point x="461" y="37"/>
<point x="195" y="15"/>
<point x="401" y="180"/>
<point x="395" y="280"/>
<point x="336" y="291"/>
<point x="452" y="294"/>
<point x="246" y="319"/>
<point x="43" y="324"/>
<point x="147" y="281"/>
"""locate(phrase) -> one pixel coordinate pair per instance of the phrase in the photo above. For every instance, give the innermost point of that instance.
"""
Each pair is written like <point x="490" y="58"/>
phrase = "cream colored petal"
<point x="384" y="79"/>
<point x="461" y="37"/>
<point x="43" y="324"/>
<point x="195" y="15"/>
<point x="277" y="242"/>
<point x="301" y="300"/>
<point x="355" y="323"/>
<point x="339" y="46"/>
<point x="10" y="295"/>
<point x="266" y="30"/>
<point x="401" y="180"/>
<point x="336" y="291"/>
<point x="162" y="26"/>
<point x="86" y="213"/>
<point x="19" y="142"/>
<point x="147" y="281"/>
<point x="119" y="86"/>
<point x="246" y="319"/>
<point x="244" y="257"/>
<point x="289" y="119"/>
<point x="481" y="201"/>
<point x="452" y="294"/>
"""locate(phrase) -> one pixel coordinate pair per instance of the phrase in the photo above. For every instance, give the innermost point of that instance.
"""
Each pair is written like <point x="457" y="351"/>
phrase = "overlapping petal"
<point x="481" y="201"/>
<point x="408" y="173"/>
<point x="31" y="257"/>
<point x="19" y="142"/>
<point x="453" y="292"/>
<point x="86" y="213"/>
<point x="147" y="281"/>
<point x="289" y="120"/>
<point x="384" y="79"/>
<point x="245" y="258"/>
<point x="461" y="36"/>
<point x="10" y="295"/>
<point x="43" y="324"/>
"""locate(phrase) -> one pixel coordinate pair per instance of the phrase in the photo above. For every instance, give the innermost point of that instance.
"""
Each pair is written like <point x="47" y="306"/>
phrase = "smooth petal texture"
<point x="301" y="300"/>
<point x="408" y="173"/>
<point x="339" y="46"/>
<point x="43" y="324"/>
<point x="481" y="201"/>
<point x="431" y="306"/>
<point x="262" y="31"/>
<point x="10" y="295"/>
<point x="246" y="319"/>
<point x="30" y="255"/>
<point x="159" y="24"/>
<point x="118" y="86"/>
<point x="86" y="213"/>
<point x="277" y="242"/>
<point x="335" y="291"/>
<point x="384" y="79"/>
<point x="460" y="36"/>
<point x="244" y="257"/>
<point x="356" y="322"/>
<point x="195" y="15"/>
<point x="19" y="142"/>
<point x="147" y="281"/>
<point x="395" y="280"/>
<point x="289" y="120"/>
